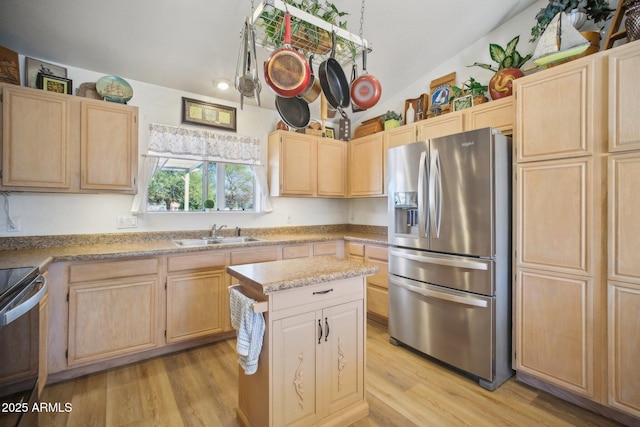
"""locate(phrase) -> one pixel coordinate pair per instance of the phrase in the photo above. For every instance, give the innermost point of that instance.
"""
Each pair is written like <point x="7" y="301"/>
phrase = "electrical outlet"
<point x="127" y="221"/>
<point x="288" y="219"/>
<point x="17" y="224"/>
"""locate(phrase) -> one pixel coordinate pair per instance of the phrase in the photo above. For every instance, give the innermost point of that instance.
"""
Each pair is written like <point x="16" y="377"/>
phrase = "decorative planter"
<point x="390" y="124"/>
<point x="501" y="83"/>
<point x="632" y="19"/>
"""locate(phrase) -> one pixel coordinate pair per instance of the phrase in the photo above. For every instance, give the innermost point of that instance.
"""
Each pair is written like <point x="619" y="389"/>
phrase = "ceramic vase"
<point x="501" y="83"/>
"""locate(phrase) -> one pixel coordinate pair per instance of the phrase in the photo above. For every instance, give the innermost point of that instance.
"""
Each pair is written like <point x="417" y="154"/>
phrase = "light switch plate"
<point x="127" y="221"/>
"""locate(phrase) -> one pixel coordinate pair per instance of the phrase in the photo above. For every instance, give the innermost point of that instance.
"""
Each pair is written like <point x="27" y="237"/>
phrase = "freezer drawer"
<point x="452" y="326"/>
<point x="452" y="271"/>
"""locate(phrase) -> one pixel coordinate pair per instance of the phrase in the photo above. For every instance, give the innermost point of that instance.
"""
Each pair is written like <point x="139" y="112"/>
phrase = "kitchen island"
<point x="312" y="365"/>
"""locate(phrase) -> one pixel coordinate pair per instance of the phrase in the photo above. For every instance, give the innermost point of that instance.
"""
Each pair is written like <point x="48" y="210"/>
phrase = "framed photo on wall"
<point x="54" y="84"/>
<point x="462" y="102"/>
<point x="9" y="66"/>
<point x="207" y="114"/>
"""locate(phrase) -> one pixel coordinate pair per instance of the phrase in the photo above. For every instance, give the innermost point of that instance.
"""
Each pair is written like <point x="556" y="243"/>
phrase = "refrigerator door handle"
<point x="474" y="302"/>
<point x="435" y="197"/>
<point x="473" y="265"/>
<point x="423" y="212"/>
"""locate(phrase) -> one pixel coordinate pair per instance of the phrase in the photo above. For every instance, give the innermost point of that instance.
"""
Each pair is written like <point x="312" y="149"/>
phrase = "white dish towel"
<point x="249" y="327"/>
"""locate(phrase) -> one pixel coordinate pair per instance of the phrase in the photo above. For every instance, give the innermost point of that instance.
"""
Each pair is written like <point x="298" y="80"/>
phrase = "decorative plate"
<point x="114" y="89"/>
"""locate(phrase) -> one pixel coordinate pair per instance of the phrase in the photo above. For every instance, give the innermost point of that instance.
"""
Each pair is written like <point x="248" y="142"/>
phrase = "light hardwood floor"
<point x="198" y="387"/>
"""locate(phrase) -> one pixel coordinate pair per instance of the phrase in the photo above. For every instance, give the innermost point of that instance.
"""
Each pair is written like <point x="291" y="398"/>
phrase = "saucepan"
<point x="287" y="71"/>
<point x="313" y="89"/>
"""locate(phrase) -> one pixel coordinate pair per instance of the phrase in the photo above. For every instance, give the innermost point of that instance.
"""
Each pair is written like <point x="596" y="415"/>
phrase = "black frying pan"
<point x="293" y="111"/>
<point x="335" y="85"/>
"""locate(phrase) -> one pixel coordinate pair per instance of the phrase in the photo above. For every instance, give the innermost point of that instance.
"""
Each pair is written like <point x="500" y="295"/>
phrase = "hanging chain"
<point x="361" y="17"/>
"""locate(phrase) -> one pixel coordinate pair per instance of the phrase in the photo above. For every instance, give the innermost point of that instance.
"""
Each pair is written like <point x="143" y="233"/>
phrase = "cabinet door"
<point x="555" y="215"/>
<point x="554" y="329"/>
<point x="332" y="168"/>
<point x="194" y="305"/>
<point x="624" y="347"/>
<point x="366" y="166"/>
<point x="35" y="139"/>
<point x="498" y="114"/>
<point x="378" y="283"/>
<point x="624" y="227"/>
<point x="109" y="147"/>
<point x="43" y="357"/>
<point x="112" y="318"/>
<point x="555" y="112"/>
<point x="295" y="362"/>
<point x="401" y="135"/>
<point x="624" y="89"/>
<point x="447" y="124"/>
<point x="342" y="356"/>
<point x="298" y="162"/>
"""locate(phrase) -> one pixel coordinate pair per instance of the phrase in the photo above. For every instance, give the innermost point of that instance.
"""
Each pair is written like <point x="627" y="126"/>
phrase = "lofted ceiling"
<point x="186" y="45"/>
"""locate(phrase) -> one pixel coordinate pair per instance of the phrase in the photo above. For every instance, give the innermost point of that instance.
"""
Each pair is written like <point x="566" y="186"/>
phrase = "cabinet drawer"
<point x="254" y="255"/>
<point x="381" y="278"/>
<point x="318" y="293"/>
<point x="328" y="248"/>
<point x="112" y="269"/>
<point x="209" y="260"/>
<point x="356" y="249"/>
<point x="295" y="251"/>
<point x="378" y="252"/>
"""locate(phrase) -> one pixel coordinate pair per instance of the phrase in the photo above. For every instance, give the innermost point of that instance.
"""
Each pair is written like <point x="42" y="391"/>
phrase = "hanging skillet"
<point x="335" y="85"/>
<point x="286" y="71"/>
<point x="366" y="89"/>
<point x="293" y="111"/>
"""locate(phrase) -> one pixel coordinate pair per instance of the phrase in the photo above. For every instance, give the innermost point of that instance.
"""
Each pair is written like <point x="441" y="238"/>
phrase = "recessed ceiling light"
<point x="222" y="84"/>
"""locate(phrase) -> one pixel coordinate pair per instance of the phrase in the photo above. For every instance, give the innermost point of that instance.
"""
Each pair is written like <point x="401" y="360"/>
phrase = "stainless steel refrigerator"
<point x="450" y="251"/>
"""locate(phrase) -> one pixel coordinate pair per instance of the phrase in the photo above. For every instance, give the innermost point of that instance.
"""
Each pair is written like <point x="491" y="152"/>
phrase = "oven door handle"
<point x="474" y="302"/>
<point x="34" y="292"/>
<point x="473" y="265"/>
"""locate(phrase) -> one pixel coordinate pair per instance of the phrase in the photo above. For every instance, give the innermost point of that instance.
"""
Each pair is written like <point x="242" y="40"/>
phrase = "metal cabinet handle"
<point x="323" y="292"/>
<point x="319" y="331"/>
<point x="326" y="325"/>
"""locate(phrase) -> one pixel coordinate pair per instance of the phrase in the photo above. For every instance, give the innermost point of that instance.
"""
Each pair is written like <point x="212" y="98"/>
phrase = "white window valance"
<point x="202" y="144"/>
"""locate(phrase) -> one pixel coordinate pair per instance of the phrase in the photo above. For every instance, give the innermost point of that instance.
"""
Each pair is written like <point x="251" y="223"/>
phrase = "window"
<point x="184" y="185"/>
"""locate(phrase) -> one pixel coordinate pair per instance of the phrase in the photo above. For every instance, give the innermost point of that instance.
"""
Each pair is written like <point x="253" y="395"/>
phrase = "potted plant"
<point x="208" y="205"/>
<point x="304" y="36"/>
<point x="509" y="62"/>
<point x="391" y="120"/>
<point x="471" y="87"/>
<point x="595" y="10"/>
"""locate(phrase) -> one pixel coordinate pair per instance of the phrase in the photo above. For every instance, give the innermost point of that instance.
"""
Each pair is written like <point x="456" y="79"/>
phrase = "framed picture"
<point x="9" y="66"/>
<point x="462" y="102"/>
<point x="34" y="66"/>
<point x="203" y="113"/>
<point x="329" y="132"/>
<point x="54" y="84"/>
<point x="440" y="94"/>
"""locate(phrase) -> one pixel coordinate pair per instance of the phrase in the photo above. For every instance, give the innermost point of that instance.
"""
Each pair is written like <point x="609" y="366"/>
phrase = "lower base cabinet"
<point x="113" y="309"/>
<point x="377" y="284"/>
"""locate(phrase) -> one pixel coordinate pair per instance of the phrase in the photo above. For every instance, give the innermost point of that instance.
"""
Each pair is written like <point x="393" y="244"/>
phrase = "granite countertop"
<point x="280" y="275"/>
<point x="92" y="248"/>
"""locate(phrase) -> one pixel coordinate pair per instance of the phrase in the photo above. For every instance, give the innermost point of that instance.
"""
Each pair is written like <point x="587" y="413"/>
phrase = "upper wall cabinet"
<point x="59" y="143"/>
<point x="624" y="91"/>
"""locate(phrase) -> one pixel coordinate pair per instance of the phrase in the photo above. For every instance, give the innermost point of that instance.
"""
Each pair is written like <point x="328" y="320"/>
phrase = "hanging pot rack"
<point x="349" y="46"/>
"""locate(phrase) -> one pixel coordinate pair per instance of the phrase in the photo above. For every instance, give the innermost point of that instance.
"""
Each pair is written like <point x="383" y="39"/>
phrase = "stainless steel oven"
<point x="21" y="290"/>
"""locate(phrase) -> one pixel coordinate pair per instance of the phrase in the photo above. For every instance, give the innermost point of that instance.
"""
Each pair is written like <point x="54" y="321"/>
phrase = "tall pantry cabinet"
<point x="577" y="143"/>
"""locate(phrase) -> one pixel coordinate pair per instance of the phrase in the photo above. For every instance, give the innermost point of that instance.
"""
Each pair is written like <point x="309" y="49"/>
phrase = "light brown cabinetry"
<point x="60" y="143"/>
<point x="367" y="159"/>
<point x="558" y="255"/>
<point x="378" y="283"/>
<point x="196" y="296"/>
<point x="306" y="166"/>
<point x="577" y="282"/>
<point x="113" y="309"/>
<point x="623" y="266"/>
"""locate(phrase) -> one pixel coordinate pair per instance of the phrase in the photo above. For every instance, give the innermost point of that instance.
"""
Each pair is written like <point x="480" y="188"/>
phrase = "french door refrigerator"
<point x="450" y="251"/>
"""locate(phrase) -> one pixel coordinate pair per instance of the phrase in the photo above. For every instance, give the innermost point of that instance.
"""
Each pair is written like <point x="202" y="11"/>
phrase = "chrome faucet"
<point x="215" y="231"/>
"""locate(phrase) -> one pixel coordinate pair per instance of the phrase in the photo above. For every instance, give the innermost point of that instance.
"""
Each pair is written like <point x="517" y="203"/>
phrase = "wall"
<point x="71" y="214"/>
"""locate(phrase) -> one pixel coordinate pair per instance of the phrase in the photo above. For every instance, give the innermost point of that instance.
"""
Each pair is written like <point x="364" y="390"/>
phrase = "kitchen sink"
<point x="207" y="241"/>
